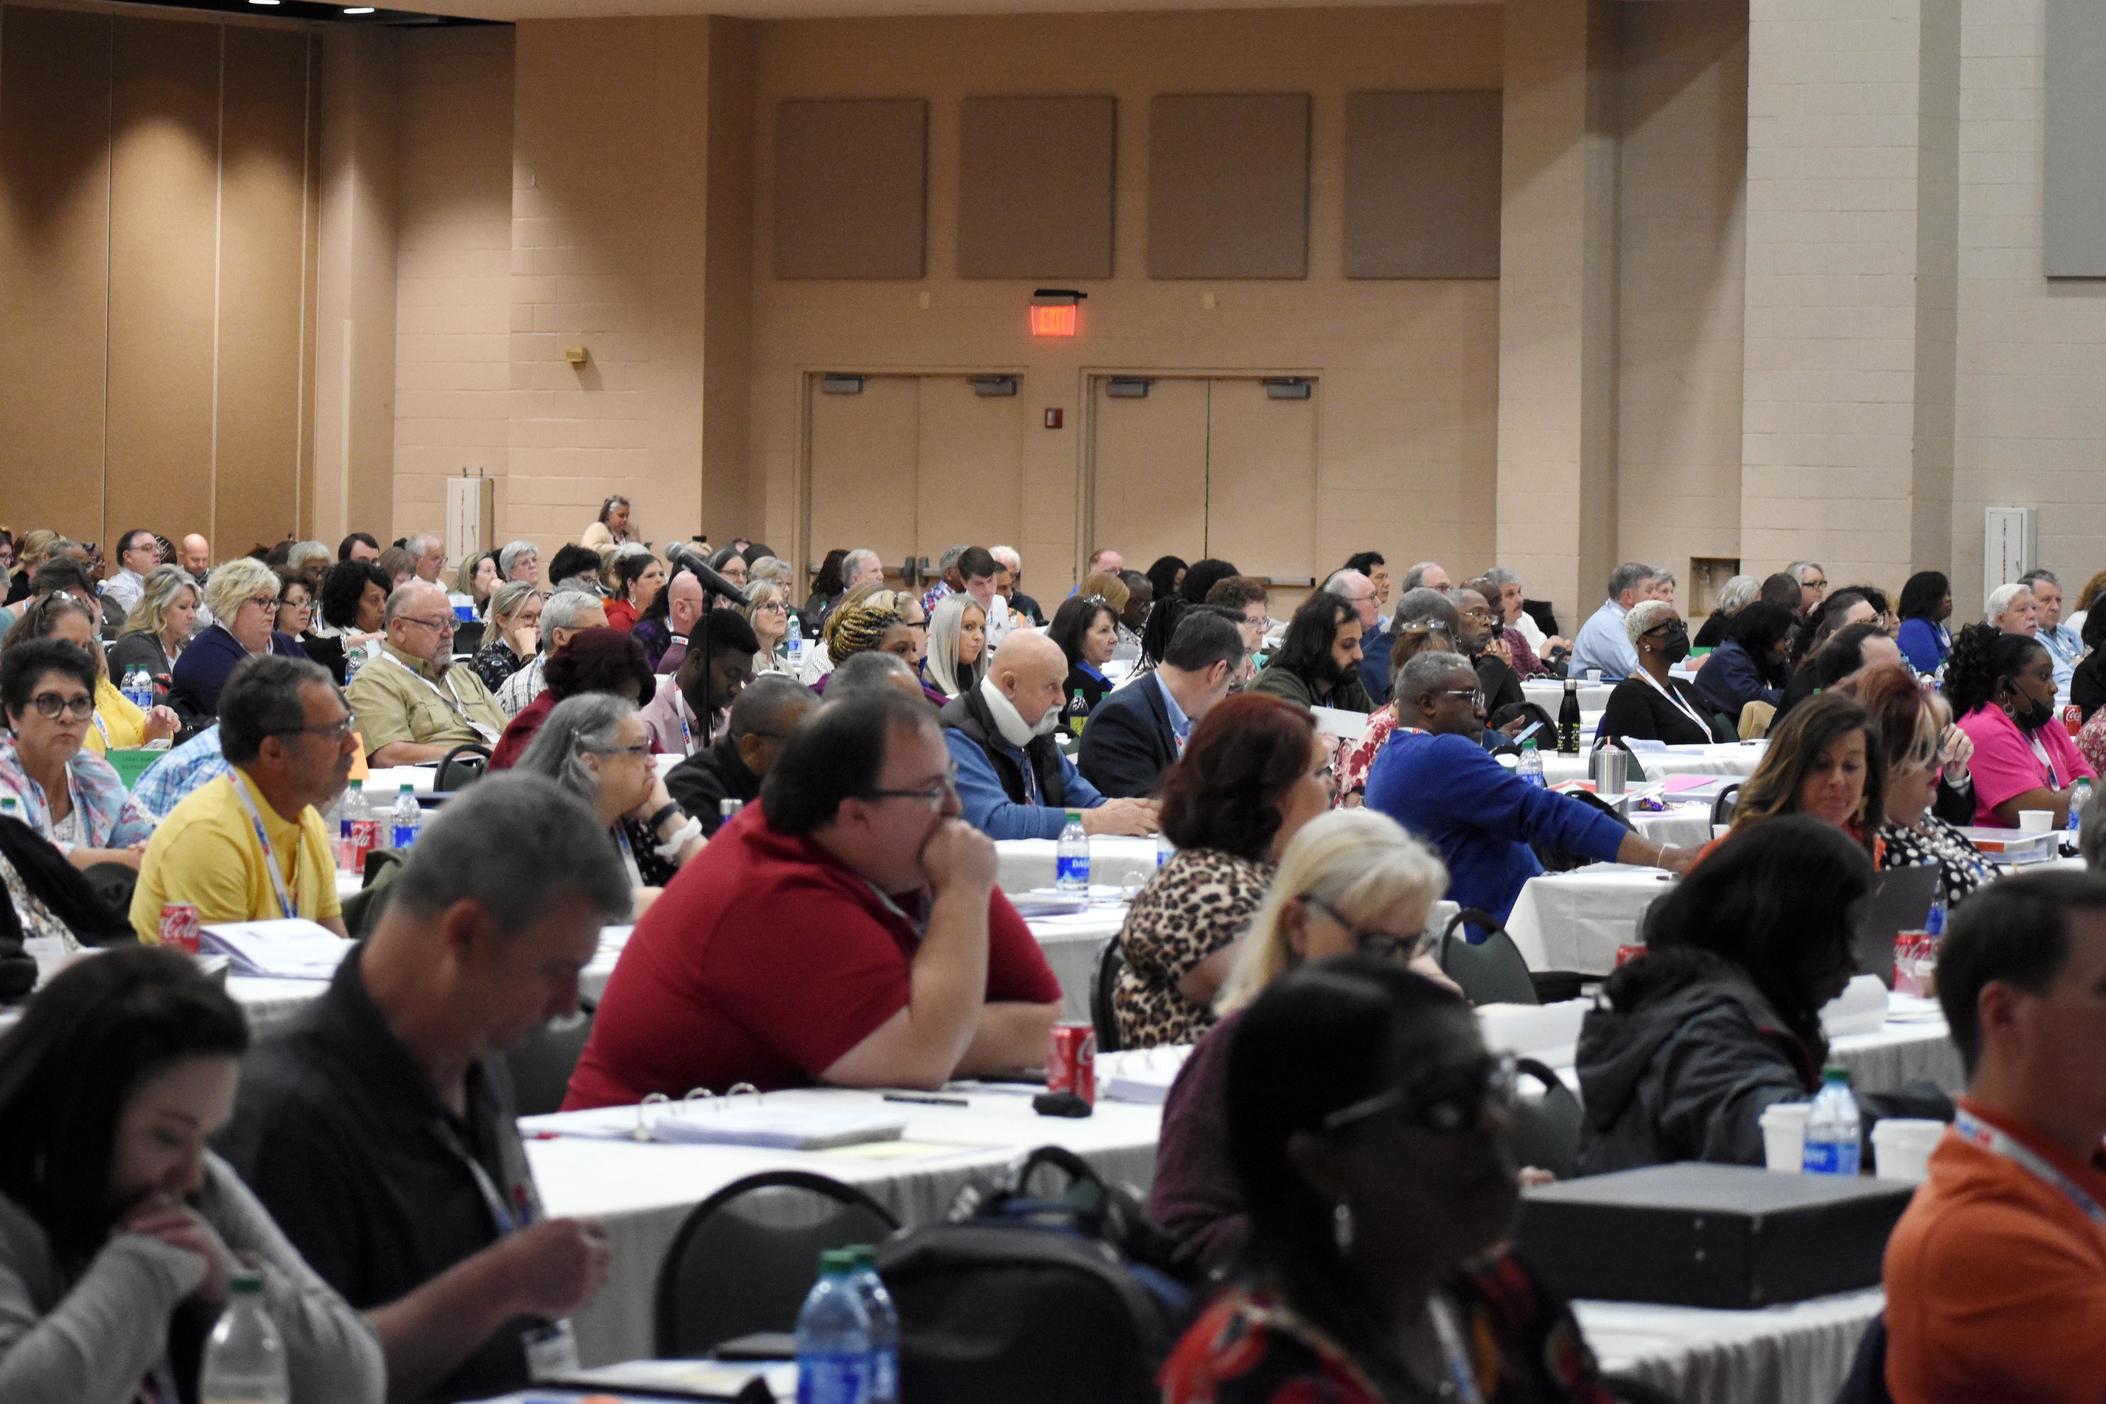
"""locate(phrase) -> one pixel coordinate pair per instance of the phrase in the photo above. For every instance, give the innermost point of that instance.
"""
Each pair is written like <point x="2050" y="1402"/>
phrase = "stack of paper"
<point x="693" y="1379"/>
<point x="287" y="950"/>
<point x="1141" y="1075"/>
<point x="738" y="1121"/>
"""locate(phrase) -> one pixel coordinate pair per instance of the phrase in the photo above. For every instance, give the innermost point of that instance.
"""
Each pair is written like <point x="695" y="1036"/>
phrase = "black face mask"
<point x="1676" y="648"/>
<point x="2030" y="714"/>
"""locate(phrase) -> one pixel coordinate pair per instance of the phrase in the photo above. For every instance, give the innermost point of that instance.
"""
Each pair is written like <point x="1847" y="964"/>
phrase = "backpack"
<point x="1031" y="1300"/>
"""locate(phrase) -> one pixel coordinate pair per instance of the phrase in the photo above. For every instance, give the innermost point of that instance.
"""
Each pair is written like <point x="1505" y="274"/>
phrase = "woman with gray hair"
<point x="243" y="597"/>
<point x="310" y="560"/>
<point x="596" y="746"/>
<point x="1733" y="597"/>
<point x="1652" y="704"/>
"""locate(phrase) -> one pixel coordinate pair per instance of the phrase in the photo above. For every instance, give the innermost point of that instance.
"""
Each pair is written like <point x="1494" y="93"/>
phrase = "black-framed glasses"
<point x="50" y="704"/>
<point x="1453" y="1103"/>
<point x="1368" y="941"/>
<point x="932" y="795"/>
<point x="263" y="602"/>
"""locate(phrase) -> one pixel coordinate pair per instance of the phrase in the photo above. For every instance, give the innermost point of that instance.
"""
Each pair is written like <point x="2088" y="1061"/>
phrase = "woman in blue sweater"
<point x="1926" y="603"/>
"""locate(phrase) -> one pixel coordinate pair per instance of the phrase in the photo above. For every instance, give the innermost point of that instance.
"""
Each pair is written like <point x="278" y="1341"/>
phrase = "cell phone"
<point x="1527" y="731"/>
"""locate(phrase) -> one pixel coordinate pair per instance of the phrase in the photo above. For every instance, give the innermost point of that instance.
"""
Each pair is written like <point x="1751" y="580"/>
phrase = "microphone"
<point x="712" y="582"/>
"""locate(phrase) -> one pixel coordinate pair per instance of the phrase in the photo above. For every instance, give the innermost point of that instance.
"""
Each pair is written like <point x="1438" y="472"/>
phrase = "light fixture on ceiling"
<point x="358" y="9"/>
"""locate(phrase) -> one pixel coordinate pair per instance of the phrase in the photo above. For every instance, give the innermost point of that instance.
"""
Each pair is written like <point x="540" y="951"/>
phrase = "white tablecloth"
<point x="1024" y="864"/>
<point x="1683" y="825"/>
<point x="1795" y="1354"/>
<point x="1549" y="694"/>
<point x="644" y="1192"/>
<point x="1576" y="920"/>
<point x="1738" y="758"/>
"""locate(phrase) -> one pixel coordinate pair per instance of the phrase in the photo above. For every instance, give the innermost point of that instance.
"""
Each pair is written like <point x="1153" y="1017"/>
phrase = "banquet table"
<point x="644" y="1192"/>
<point x="1732" y="758"/>
<point x="1576" y="920"/>
<point x="1024" y="864"/>
<point x="1799" y="1351"/>
<point x="1549" y="694"/>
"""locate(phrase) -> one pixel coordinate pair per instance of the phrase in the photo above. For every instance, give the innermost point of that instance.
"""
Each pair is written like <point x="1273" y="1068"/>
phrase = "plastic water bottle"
<point x="350" y="808"/>
<point x="11" y="808"/>
<point x="728" y="810"/>
<point x="1531" y="767"/>
<point x="884" y="1328"/>
<point x="244" y="1359"/>
<point x="409" y="818"/>
<point x="833" y="1336"/>
<point x="1833" y="1131"/>
<point x="795" y="643"/>
<point x="2079" y="800"/>
<point x="1163" y="849"/>
<point x="138" y="688"/>
<point x="1071" y="867"/>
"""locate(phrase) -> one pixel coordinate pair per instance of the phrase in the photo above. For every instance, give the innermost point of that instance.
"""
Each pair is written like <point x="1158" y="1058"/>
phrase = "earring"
<point x="1342" y="1226"/>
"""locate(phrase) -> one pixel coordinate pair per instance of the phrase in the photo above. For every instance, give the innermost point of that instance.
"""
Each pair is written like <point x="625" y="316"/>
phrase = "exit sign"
<point x="1060" y="320"/>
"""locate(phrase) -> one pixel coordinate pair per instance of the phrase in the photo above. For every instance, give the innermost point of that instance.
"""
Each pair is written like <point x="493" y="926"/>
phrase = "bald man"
<point x="197" y="556"/>
<point x="1013" y="780"/>
<point x="413" y="703"/>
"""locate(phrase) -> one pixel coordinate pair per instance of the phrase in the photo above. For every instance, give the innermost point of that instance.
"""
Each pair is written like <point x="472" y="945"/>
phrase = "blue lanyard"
<point x="1977" y="1132"/>
<point x="286" y="905"/>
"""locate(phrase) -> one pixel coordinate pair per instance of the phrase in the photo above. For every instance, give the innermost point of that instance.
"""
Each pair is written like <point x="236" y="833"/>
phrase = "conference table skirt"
<point x="1797" y="1352"/>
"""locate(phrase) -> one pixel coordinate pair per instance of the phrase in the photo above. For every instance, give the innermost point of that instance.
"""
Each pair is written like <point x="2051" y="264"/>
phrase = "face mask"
<point x="1677" y="646"/>
<point x="2033" y="715"/>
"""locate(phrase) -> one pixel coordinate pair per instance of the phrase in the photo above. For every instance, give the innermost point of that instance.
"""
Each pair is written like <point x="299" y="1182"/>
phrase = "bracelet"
<point x="683" y="836"/>
<point x="668" y="811"/>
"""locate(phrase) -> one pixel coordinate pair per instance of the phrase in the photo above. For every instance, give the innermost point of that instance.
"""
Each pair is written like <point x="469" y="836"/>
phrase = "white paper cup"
<point x="1901" y="1147"/>
<point x="1593" y="677"/>
<point x="2035" y="821"/>
<point x="1784" y="1135"/>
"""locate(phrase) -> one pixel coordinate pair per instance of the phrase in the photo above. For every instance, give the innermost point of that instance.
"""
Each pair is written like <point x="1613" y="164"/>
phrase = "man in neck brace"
<point x="1012" y="779"/>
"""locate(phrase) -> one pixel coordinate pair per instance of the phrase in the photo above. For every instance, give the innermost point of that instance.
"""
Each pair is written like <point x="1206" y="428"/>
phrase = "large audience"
<point x="794" y="786"/>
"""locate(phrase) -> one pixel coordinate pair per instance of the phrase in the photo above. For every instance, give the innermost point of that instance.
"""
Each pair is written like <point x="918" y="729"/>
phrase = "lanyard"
<point x="621" y="841"/>
<point x="1455" y="1357"/>
<point x="1977" y="1132"/>
<point x="1681" y="706"/>
<point x="920" y="924"/>
<point x="286" y="905"/>
<point x="2040" y="752"/>
<point x="449" y="696"/>
<point x="687" y="734"/>
<point x="508" y="1218"/>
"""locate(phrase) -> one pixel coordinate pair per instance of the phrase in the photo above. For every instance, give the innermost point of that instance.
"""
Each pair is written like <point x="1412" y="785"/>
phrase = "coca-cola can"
<point x="1915" y="964"/>
<point x="1626" y="954"/>
<point x="179" y="927"/>
<point x="1071" y="1066"/>
<point x="2073" y="719"/>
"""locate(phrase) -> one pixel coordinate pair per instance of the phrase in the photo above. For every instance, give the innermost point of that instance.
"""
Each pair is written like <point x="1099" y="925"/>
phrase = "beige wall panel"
<point x="54" y="243"/>
<point x="1148" y="471"/>
<point x="853" y="202"/>
<point x="1422" y="185"/>
<point x="262" y="205"/>
<point x="163" y="216"/>
<point x="863" y="452"/>
<point x="969" y="484"/>
<point x="1228" y="185"/>
<point x="1261" y="481"/>
<point x="1035" y="187"/>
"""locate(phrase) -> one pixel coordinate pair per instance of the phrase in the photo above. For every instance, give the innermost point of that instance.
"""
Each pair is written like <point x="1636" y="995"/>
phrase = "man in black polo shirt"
<point x="761" y="720"/>
<point x="380" y="1135"/>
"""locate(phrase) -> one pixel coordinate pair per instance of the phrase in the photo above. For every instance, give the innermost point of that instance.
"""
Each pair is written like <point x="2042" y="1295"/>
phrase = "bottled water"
<point x="728" y="810"/>
<point x="794" y="644"/>
<point x="1071" y="868"/>
<point x="884" y="1328"/>
<point x="408" y="819"/>
<point x="833" y="1336"/>
<point x="1934" y="919"/>
<point x="1163" y="849"/>
<point x="11" y="808"/>
<point x="2079" y="800"/>
<point x="1833" y="1131"/>
<point x="138" y="688"/>
<point x="244" y="1359"/>
<point x="1531" y="767"/>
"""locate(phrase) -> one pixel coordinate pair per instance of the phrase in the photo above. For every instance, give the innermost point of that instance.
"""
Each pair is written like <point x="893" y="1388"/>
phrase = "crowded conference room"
<point x="1052" y="702"/>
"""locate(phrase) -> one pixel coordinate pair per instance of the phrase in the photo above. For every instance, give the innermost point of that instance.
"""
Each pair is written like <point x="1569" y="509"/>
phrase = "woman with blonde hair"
<point x="1351" y="881"/>
<point x="957" y="645"/>
<point x="768" y="611"/>
<point x="159" y="627"/>
<point x="243" y="597"/>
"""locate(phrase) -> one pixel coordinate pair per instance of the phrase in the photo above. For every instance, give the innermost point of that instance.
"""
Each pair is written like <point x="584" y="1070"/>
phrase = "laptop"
<point x="1901" y="901"/>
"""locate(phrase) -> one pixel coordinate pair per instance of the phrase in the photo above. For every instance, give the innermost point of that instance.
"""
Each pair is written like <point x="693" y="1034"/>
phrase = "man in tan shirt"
<point x="412" y="703"/>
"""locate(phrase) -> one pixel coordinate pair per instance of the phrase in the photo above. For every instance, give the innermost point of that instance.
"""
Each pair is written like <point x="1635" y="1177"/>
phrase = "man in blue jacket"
<point x="1436" y="779"/>
<point x="1013" y="782"/>
<point x="1140" y="730"/>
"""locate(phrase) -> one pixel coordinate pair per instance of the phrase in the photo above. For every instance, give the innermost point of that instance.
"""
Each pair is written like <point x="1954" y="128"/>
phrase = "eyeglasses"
<point x="50" y="704"/>
<point x="774" y="607"/>
<point x="1482" y="615"/>
<point x="1443" y="1110"/>
<point x="336" y="731"/>
<point x="1473" y="695"/>
<point x="442" y="626"/>
<point x="1382" y="945"/>
<point x="932" y="795"/>
<point x="267" y="603"/>
<point x="642" y="748"/>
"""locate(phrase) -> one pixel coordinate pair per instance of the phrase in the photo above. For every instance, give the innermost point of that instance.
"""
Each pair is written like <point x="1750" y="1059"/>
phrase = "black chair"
<point x="1490" y="971"/>
<point x="1546" y="1130"/>
<point x="1722" y="808"/>
<point x="461" y="767"/>
<point x="468" y="636"/>
<point x="541" y="1067"/>
<point x="735" y="1268"/>
<point x="1104" y="978"/>
<point x="1867" y="1380"/>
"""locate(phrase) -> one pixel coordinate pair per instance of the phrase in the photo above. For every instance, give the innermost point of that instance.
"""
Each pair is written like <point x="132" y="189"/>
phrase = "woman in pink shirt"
<point x="2002" y="688"/>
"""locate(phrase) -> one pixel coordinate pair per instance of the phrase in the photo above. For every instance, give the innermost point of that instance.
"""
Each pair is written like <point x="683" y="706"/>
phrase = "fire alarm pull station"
<point x="1052" y="419"/>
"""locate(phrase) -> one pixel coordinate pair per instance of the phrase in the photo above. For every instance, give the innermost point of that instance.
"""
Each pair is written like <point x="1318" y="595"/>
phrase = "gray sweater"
<point x="94" y="1340"/>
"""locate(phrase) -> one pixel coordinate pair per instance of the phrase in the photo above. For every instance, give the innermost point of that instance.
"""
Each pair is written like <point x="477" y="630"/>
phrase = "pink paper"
<point x="1677" y="784"/>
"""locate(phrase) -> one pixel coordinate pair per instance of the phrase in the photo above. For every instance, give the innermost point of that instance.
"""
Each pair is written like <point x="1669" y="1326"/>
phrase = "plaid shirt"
<point x="109" y="817"/>
<point x="189" y="767"/>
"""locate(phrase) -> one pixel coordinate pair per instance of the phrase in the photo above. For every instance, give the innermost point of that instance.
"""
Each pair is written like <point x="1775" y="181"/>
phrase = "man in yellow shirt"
<point x="251" y="845"/>
<point x="413" y="702"/>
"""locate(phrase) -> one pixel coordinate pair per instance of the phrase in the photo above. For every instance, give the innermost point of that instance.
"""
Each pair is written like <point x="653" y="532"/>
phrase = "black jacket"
<point x="1128" y="743"/>
<point x="63" y="889"/>
<point x="701" y="783"/>
<point x="2087" y="683"/>
<point x="1636" y="709"/>
<point x="967" y="713"/>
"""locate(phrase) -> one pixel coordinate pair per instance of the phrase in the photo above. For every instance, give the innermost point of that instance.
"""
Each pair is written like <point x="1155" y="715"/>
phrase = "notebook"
<point x="294" y="949"/>
<point x="730" y="1121"/>
<point x="692" y="1379"/>
<point x="1141" y="1075"/>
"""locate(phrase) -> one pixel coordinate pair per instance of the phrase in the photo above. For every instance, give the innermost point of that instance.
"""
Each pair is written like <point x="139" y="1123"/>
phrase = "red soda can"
<point x="1626" y="954"/>
<point x="1072" y="1065"/>
<point x="365" y="837"/>
<point x="2073" y="719"/>
<point x="1915" y="963"/>
<point x="179" y="927"/>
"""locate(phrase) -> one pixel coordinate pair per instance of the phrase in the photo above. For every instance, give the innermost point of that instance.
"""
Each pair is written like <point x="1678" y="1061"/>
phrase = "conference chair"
<point x="1104" y="978"/>
<point x="746" y="1256"/>
<point x="1755" y="719"/>
<point x="541" y="1067"/>
<point x="362" y="908"/>
<point x="1722" y="808"/>
<point x="1490" y="971"/>
<point x="461" y="767"/>
<point x="1546" y="1128"/>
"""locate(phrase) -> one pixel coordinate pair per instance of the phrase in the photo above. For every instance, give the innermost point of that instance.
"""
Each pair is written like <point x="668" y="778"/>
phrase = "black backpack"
<point x="1031" y="1300"/>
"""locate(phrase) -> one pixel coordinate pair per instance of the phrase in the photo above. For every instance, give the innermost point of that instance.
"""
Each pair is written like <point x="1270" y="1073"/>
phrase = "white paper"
<point x="295" y="949"/>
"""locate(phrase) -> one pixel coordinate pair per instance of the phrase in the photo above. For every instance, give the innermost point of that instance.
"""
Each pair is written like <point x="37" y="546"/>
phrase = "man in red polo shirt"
<point x="1996" y="1275"/>
<point x="845" y="930"/>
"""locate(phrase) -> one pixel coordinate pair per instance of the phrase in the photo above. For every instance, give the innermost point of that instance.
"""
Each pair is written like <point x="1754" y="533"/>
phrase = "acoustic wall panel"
<point x="1422" y="185"/>
<point x="2073" y="175"/>
<point x="1228" y="185"/>
<point x="851" y="188"/>
<point x="1035" y="187"/>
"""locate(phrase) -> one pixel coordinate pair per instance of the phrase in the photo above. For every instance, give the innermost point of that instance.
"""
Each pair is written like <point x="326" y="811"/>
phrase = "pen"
<point x="926" y="1099"/>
